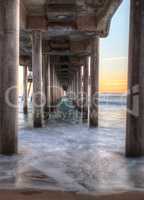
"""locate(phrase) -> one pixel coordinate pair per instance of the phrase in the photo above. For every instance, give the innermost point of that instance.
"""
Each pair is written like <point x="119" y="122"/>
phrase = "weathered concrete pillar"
<point x="80" y="78"/>
<point x="37" y="77"/>
<point x="94" y="79"/>
<point x="77" y="84"/>
<point x="135" y="115"/>
<point x="9" y="61"/>
<point x="82" y="91"/>
<point x="25" y="93"/>
<point x="79" y="88"/>
<point x="73" y="87"/>
<point x="45" y="81"/>
<point x="54" y="85"/>
<point x="57" y="89"/>
<point x="85" y="91"/>
<point x="51" y="83"/>
<point x="44" y="58"/>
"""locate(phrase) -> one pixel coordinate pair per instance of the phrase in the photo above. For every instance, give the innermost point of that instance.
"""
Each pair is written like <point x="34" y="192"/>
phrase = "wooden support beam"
<point x="135" y="114"/>
<point x="9" y="61"/>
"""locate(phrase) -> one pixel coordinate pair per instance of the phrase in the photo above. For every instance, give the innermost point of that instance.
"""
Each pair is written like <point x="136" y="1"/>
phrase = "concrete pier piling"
<point x="94" y="83"/>
<point x="85" y="90"/>
<point x="25" y="93"/>
<point x="135" y="107"/>
<point x="37" y="77"/>
<point x="9" y="61"/>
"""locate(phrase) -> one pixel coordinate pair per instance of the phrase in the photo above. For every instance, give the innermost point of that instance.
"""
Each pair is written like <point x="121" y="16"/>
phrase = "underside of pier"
<point x="58" y="40"/>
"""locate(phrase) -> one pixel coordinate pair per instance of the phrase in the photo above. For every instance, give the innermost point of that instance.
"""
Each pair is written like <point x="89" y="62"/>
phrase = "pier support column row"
<point x="135" y="114"/>
<point x="9" y="61"/>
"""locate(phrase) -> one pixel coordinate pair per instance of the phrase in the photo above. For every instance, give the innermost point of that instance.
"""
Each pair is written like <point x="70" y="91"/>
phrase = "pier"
<point x="58" y="41"/>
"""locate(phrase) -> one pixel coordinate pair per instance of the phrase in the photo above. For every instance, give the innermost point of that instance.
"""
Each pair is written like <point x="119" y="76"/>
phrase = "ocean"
<point x="72" y="157"/>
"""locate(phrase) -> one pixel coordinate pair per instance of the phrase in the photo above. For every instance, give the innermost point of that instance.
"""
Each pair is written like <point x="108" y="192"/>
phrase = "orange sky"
<point x="113" y="75"/>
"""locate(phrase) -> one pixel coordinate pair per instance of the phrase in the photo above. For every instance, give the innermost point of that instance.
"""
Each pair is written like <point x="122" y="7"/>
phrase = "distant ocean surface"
<point x="117" y="99"/>
<point x="112" y="111"/>
<point x="104" y="98"/>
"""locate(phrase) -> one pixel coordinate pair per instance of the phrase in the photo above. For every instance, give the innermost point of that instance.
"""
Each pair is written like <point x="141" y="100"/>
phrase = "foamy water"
<point x="72" y="157"/>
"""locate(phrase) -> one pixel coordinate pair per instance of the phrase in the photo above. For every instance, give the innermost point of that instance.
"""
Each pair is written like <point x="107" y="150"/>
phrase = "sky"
<point x="114" y="53"/>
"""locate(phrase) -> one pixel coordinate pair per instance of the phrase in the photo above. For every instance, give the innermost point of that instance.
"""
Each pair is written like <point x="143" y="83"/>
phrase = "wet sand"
<point x="47" y="195"/>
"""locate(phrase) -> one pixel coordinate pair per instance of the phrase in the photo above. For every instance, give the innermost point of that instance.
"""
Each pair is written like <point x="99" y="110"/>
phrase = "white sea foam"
<point x="72" y="157"/>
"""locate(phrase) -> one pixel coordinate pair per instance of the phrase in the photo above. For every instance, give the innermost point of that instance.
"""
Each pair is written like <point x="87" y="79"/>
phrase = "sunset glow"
<point x="113" y="75"/>
<point x="113" y="69"/>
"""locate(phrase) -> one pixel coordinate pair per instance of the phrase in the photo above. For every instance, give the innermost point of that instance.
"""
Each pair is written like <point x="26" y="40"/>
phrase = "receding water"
<point x="71" y="157"/>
